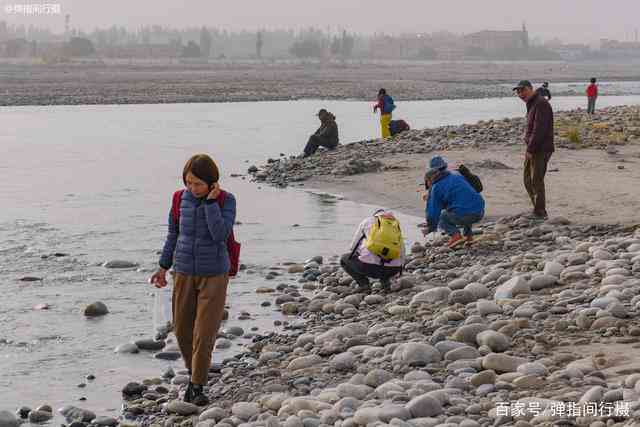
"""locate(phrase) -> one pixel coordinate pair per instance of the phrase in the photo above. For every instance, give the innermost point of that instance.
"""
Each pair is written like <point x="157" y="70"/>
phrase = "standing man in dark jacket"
<point x="326" y="136"/>
<point x="539" y="145"/>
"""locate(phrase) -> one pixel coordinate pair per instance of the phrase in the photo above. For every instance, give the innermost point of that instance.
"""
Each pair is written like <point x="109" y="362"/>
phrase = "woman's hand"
<point x="159" y="278"/>
<point x="215" y="192"/>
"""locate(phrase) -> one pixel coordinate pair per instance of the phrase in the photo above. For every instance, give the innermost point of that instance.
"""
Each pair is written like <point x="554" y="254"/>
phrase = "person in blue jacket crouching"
<point x="452" y="203"/>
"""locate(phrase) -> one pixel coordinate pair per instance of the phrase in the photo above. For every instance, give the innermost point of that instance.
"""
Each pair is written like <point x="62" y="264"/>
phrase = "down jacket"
<point x="198" y="246"/>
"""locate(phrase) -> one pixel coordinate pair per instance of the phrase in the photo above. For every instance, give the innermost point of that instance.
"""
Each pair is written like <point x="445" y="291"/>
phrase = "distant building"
<point x="571" y="52"/>
<point x="618" y="49"/>
<point x="498" y="41"/>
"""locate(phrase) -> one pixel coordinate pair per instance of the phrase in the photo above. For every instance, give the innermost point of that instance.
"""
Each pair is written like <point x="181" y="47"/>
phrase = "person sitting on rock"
<point x="377" y="251"/>
<point x="326" y="136"/>
<point x="452" y="203"/>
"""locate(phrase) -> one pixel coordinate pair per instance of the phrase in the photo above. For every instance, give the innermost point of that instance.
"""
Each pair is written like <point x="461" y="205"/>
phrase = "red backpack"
<point x="232" y="246"/>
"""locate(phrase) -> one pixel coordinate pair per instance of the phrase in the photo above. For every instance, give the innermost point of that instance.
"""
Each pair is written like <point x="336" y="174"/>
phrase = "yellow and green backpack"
<point x="385" y="238"/>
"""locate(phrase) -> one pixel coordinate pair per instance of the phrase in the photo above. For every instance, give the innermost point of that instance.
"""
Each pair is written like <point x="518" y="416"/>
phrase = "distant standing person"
<point x="592" y="96"/>
<point x="544" y="91"/>
<point x="539" y="145"/>
<point x="326" y="135"/>
<point x="386" y="106"/>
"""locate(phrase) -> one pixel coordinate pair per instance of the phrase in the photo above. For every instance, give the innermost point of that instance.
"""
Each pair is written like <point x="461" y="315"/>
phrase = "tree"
<point x="427" y="52"/>
<point x="79" y="47"/>
<point x="16" y="47"/>
<point x="191" y="50"/>
<point x="306" y="48"/>
<point x="205" y="42"/>
<point x="259" y="44"/>
<point x="347" y="45"/>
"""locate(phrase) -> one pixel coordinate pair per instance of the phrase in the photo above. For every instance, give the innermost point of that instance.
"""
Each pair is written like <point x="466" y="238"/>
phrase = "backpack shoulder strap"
<point x="221" y="198"/>
<point x="175" y="206"/>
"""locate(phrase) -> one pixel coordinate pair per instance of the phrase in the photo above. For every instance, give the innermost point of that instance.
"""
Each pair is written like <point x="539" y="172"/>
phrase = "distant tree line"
<point x="206" y="42"/>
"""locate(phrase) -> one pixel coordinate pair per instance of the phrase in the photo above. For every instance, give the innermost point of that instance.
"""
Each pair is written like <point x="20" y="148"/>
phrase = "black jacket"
<point x="539" y="134"/>
<point x="328" y="130"/>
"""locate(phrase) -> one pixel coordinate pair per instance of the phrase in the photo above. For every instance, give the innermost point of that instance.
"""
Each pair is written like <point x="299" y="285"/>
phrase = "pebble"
<point x="115" y="264"/>
<point x="7" y="419"/>
<point x="129" y="348"/>
<point x="39" y="417"/>
<point x="222" y="343"/>
<point x="500" y="362"/>
<point x="245" y="410"/>
<point x="513" y="287"/>
<point x="105" y="422"/>
<point x="150" y="345"/>
<point x="72" y="413"/>
<point x="304" y="362"/>
<point x="182" y="408"/>
<point x="496" y="341"/>
<point x="96" y="309"/>
<point x="424" y="406"/>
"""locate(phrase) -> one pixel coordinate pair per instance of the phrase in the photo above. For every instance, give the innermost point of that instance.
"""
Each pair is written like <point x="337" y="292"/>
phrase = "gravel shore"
<point x="536" y="324"/>
<point x="540" y="316"/>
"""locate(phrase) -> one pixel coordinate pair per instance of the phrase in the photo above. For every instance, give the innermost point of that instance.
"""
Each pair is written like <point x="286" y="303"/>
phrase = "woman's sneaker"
<point x="188" y="394"/>
<point x="455" y="241"/>
<point x="199" y="398"/>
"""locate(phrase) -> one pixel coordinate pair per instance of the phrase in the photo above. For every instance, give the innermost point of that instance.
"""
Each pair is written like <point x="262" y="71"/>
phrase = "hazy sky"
<point x="572" y="20"/>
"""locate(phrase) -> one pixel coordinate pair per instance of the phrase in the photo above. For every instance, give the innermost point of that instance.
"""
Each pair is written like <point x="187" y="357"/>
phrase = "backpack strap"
<point x="175" y="207"/>
<point x="221" y="198"/>
<point x="355" y="249"/>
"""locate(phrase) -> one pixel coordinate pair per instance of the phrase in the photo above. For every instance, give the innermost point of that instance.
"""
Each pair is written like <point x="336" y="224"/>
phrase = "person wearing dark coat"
<point x="326" y="136"/>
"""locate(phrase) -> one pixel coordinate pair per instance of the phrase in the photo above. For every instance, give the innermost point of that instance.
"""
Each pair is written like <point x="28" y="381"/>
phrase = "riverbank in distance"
<point x="144" y="82"/>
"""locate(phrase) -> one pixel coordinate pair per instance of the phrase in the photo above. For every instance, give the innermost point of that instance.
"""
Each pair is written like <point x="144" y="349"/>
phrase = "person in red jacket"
<point x="592" y="95"/>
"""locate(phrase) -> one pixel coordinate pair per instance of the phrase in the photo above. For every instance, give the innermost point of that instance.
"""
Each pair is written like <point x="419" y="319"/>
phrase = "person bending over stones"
<point x="452" y="203"/>
<point x="201" y="263"/>
<point x="326" y="136"/>
<point x="377" y="251"/>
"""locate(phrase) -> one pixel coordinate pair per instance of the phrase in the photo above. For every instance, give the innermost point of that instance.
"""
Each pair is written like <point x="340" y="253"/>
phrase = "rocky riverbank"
<point x="137" y="82"/>
<point x="609" y="129"/>
<point x="536" y="324"/>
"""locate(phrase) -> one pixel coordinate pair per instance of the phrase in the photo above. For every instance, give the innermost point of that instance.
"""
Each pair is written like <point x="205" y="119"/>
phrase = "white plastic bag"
<point x="162" y="312"/>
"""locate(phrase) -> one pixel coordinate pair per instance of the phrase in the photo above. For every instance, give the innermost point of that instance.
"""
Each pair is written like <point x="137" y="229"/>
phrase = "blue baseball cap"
<point x="438" y="163"/>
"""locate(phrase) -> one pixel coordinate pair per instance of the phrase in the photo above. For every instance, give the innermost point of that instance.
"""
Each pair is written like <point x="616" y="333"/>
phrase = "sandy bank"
<point x="586" y="186"/>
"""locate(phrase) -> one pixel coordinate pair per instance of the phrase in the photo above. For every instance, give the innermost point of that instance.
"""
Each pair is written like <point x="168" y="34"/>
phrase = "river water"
<point x="95" y="183"/>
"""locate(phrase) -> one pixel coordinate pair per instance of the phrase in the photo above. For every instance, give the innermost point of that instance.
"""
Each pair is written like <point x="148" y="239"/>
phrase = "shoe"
<point x="468" y="240"/>
<point x="455" y="241"/>
<point x="199" y="398"/>
<point x="537" y="216"/>
<point x="188" y="395"/>
<point x="362" y="289"/>
<point x="385" y="286"/>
